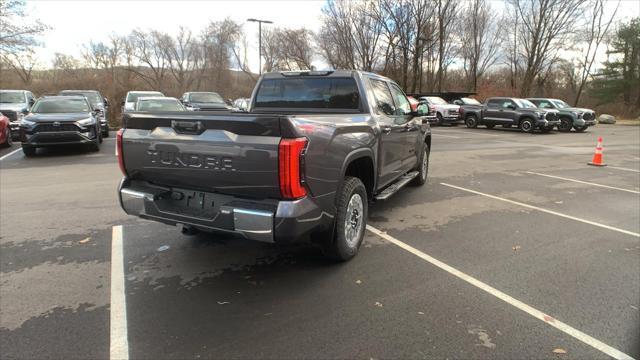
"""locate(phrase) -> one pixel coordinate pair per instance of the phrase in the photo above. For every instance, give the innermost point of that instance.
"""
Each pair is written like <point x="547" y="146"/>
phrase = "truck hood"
<point x="17" y="107"/>
<point x="61" y="117"/>
<point x="581" y="110"/>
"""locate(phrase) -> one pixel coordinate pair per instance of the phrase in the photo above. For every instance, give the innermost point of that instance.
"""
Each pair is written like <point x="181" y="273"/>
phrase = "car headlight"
<point x="85" y="122"/>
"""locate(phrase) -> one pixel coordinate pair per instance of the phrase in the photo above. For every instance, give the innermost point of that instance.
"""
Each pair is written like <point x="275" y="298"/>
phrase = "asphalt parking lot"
<point x="514" y="249"/>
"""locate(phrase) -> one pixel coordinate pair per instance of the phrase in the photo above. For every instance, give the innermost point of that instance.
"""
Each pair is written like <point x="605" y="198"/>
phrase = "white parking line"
<point x="567" y="329"/>
<point x="583" y="182"/>
<point x="623" y="169"/>
<point x="119" y="343"/>
<point x="9" y="154"/>
<point x="545" y="210"/>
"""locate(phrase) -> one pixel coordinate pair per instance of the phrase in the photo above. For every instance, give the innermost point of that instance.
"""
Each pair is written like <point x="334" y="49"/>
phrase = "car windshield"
<point x="94" y="98"/>
<point x="560" y="104"/>
<point x="309" y="93"/>
<point x="133" y="96"/>
<point x="470" y="101"/>
<point x="159" y="105"/>
<point x="526" y="104"/>
<point x="206" y="98"/>
<point x="52" y="106"/>
<point x="11" y="97"/>
<point x="436" y="100"/>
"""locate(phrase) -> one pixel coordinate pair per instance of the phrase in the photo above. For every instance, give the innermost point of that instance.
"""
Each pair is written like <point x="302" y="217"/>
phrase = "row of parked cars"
<point x="81" y="116"/>
<point x="528" y="115"/>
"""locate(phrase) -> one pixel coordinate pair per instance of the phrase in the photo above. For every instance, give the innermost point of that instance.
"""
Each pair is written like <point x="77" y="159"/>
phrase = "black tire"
<point x="580" y="128"/>
<point x="29" y="151"/>
<point x="8" y="140"/>
<point x="527" y="125"/>
<point x="339" y="247"/>
<point x="439" y="120"/>
<point x="490" y="126"/>
<point x="471" y="121"/>
<point x="565" y="124"/>
<point x="423" y="168"/>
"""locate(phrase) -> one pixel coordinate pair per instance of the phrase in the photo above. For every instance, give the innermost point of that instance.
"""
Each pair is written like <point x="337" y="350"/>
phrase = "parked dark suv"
<point x="99" y="103"/>
<point x="60" y="120"/>
<point x="570" y="117"/>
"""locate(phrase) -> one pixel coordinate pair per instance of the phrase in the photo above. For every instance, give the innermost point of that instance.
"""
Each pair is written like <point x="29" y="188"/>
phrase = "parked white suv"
<point x="129" y="103"/>
<point x="445" y="113"/>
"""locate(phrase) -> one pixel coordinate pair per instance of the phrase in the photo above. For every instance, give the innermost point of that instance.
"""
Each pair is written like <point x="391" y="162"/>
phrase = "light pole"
<point x="260" y="40"/>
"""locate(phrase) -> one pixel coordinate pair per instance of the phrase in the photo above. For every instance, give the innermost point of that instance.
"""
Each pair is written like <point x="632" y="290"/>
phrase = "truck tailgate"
<point x="235" y="154"/>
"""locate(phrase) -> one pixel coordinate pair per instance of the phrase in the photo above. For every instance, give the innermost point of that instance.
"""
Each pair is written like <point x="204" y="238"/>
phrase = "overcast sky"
<point x="77" y="22"/>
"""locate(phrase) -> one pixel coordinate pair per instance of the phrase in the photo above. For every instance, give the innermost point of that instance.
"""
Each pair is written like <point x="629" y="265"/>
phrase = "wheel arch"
<point x="360" y="164"/>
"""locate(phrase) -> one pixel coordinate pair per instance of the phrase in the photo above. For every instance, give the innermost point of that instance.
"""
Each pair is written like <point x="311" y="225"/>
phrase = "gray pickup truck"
<point x="301" y="164"/>
<point x="509" y="112"/>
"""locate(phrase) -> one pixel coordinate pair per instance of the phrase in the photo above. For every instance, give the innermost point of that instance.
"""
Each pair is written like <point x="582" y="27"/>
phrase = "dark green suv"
<point x="570" y="117"/>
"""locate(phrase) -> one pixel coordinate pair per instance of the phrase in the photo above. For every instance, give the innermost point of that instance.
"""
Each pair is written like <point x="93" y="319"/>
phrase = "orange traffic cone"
<point x="597" y="156"/>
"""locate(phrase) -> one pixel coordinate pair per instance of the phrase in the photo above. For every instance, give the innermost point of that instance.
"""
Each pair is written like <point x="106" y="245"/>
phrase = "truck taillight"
<point x="119" y="151"/>
<point x="290" y="167"/>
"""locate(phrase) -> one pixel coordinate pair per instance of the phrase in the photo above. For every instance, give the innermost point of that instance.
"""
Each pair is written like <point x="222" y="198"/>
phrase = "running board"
<point x="393" y="188"/>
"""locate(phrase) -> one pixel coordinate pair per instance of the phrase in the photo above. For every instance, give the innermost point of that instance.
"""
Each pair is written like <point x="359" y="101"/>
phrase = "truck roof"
<point x="321" y="73"/>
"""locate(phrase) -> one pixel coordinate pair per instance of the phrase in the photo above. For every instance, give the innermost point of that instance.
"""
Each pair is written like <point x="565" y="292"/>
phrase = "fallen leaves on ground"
<point x="358" y="282"/>
<point x="84" y="241"/>
<point x="378" y="304"/>
<point x="559" y="351"/>
<point x="516" y="247"/>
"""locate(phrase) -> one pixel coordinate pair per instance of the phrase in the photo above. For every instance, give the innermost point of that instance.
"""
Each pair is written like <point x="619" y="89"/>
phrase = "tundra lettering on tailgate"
<point x="190" y="160"/>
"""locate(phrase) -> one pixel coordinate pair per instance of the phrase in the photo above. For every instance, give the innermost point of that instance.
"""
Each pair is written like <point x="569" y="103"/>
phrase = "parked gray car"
<point x="15" y="104"/>
<point x="302" y="164"/>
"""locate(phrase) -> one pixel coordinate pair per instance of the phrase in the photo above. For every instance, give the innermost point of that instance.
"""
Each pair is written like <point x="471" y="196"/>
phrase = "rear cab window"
<point x="322" y="94"/>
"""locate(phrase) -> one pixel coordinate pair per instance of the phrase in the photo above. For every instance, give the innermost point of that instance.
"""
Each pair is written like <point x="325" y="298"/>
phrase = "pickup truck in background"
<point x="445" y="113"/>
<point x="570" y="117"/>
<point x="313" y="149"/>
<point x="510" y="112"/>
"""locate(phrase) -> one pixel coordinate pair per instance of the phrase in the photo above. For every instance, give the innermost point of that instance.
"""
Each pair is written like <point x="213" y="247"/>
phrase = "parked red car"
<point x="5" y="131"/>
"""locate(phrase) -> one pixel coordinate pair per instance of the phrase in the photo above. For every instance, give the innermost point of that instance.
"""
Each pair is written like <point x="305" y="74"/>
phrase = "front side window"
<point x="55" y="106"/>
<point x="507" y="104"/>
<point x="525" y="104"/>
<point x="308" y="93"/>
<point x="384" y="100"/>
<point x="402" y="104"/>
<point x="544" y="104"/>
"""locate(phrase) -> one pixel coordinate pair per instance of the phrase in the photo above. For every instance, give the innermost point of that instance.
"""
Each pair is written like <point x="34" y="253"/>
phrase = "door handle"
<point x="386" y="130"/>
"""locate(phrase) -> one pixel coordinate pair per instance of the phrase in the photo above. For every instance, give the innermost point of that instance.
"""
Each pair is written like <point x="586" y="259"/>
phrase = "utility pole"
<point x="260" y="40"/>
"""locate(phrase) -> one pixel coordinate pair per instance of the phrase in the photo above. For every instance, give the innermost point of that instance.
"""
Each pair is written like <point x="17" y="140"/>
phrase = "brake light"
<point x="290" y="167"/>
<point x="119" y="151"/>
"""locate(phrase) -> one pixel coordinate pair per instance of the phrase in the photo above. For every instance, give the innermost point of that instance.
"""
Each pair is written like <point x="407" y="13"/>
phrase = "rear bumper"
<point x="266" y="220"/>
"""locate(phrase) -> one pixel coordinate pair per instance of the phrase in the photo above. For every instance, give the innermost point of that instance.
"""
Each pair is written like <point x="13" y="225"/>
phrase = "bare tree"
<point x="183" y="55"/>
<point x="594" y="35"/>
<point x="447" y="12"/>
<point x="149" y="53"/>
<point x="544" y="27"/>
<point x="23" y="63"/>
<point x="480" y="38"/>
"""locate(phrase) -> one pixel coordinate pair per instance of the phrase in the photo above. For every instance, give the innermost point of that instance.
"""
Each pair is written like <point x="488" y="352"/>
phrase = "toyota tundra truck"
<point x="302" y="164"/>
<point x="509" y="112"/>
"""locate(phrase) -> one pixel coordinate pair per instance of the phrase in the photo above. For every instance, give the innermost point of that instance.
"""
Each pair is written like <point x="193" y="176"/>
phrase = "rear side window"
<point x="309" y="93"/>
<point x="384" y="101"/>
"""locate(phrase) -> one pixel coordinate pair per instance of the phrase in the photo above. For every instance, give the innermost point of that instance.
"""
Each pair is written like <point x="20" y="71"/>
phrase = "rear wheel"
<point x="423" y="168"/>
<point x="471" y="121"/>
<point x="526" y="125"/>
<point x="565" y="125"/>
<point x="28" y="151"/>
<point x="351" y="219"/>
